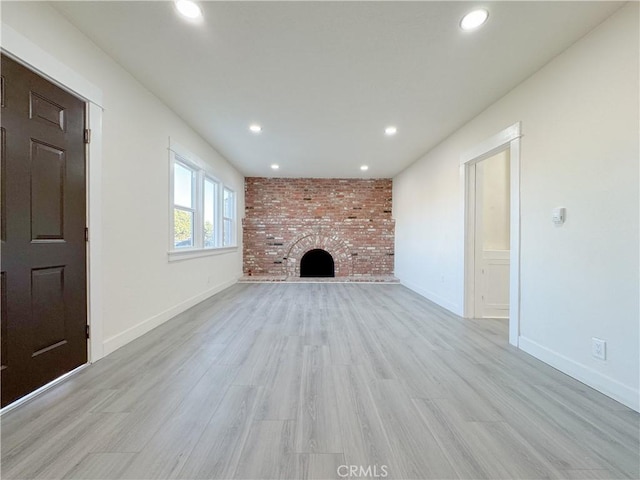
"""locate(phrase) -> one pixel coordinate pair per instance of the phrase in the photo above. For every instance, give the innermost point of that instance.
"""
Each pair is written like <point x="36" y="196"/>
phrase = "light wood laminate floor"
<point x="294" y="380"/>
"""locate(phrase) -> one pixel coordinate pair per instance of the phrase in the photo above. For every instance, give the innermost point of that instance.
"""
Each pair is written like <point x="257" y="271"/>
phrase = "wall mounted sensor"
<point x="558" y="215"/>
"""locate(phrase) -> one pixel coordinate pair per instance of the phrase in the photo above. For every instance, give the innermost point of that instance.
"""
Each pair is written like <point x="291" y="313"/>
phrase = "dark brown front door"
<point x="44" y="299"/>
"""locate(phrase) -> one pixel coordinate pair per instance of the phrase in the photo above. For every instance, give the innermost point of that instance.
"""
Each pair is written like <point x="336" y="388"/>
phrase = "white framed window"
<point x="184" y="205"/>
<point x="202" y="209"/>
<point x="210" y="226"/>
<point x="228" y="217"/>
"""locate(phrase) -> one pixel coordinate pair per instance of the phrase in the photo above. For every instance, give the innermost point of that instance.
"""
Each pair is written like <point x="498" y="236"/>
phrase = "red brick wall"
<point x="287" y="217"/>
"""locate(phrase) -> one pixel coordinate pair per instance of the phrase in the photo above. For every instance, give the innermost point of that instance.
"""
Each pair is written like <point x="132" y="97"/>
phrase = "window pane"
<point x="228" y="203"/>
<point x="227" y="232"/>
<point x="209" y="213"/>
<point x="183" y="228"/>
<point x="182" y="186"/>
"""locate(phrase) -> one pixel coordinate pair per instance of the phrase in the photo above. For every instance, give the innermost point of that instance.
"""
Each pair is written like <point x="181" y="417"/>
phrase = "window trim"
<point x="201" y="173"/>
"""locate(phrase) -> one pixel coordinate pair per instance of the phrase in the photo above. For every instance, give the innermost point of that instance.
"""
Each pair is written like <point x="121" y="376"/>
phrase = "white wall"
<point x="140" y="288"/>
<point x="580" y="150"/>
<point x="494" y="172"/>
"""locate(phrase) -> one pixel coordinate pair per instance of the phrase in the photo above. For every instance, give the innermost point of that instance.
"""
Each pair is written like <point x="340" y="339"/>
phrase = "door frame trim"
<point x="29" y="54"/>
<point x="509" y="138"/>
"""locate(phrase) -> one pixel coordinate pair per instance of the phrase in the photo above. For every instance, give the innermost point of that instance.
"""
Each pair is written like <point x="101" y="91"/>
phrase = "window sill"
<point x="189" y="253"/>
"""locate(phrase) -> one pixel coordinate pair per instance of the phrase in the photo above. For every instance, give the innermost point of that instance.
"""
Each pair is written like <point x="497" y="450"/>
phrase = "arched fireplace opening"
<point x="317" y="263"/>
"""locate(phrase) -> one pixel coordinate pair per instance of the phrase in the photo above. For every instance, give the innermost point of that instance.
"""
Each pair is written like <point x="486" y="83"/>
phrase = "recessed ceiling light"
<point x="275" y="166"/>
<point x="255" y="128"/>
<point x="390" y="130"/>
<point x="474" y="19"/>
<point x="188" y="9"/>
<point x="364" y="168"/>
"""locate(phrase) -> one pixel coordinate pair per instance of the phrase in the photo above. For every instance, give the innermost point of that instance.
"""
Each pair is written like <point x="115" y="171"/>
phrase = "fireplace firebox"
<point x="317" y="263"/>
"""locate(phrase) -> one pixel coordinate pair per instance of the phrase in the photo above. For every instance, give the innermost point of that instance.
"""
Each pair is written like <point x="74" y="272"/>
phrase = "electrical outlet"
<point x="599" y="348"/>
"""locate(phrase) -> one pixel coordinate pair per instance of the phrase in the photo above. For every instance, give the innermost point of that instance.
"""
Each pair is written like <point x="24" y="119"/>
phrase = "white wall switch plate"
<point x="558" y="215"/>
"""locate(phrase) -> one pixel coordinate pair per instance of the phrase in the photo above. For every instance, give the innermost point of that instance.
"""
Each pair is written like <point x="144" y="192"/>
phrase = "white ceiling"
<point x="325" y="78"/>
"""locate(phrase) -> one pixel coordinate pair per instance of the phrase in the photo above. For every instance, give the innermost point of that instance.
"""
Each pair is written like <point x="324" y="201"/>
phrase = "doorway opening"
<point x="29" y="54"/>
<point x="492" y="259"/>
<point x="317" y="263"/>
<point x="491" y="237"/>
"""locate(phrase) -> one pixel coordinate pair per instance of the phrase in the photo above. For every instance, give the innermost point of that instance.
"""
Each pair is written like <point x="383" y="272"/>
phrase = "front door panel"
<point x="44" y="294"/>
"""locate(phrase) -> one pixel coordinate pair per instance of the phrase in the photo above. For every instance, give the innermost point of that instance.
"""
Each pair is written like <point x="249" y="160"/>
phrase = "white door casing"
<point x="509" y="138"/>
<point x="28" y="53"/>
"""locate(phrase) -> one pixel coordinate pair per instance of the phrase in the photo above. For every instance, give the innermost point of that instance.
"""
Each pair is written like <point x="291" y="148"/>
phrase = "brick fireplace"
<point x="347" y="219"/>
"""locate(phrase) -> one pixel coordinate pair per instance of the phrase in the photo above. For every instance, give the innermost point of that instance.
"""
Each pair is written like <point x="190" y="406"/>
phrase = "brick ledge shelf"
<point x="285" y="279"/>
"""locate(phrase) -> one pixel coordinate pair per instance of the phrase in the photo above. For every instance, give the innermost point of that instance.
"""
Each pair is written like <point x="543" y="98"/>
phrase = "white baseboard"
<point x="606" y="385"/>
<point x="452" y="307"/>
<point x="111" y="344"/>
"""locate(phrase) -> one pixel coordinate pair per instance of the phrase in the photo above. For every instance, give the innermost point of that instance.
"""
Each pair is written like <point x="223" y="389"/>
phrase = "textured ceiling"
<point x="325" y="78"/>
